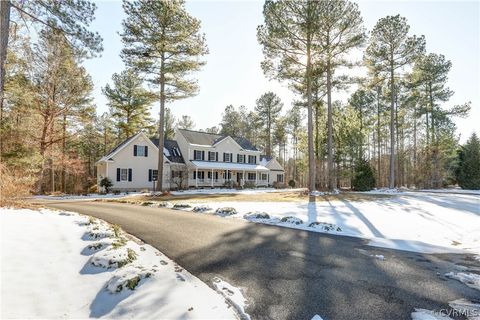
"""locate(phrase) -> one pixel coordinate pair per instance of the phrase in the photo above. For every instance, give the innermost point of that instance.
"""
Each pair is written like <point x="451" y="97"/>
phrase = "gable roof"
<point x="210" y="139"/>
<point x="171" y="150"/>
<point x="265" y="159"/>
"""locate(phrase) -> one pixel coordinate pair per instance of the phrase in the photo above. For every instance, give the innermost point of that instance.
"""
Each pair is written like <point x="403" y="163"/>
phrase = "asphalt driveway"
<point x="287" y="273"/>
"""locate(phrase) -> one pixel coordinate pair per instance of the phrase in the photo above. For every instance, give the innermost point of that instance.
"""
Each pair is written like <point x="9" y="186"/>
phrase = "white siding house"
<point x="194" y="159"/>
<point x="132" y="165"/>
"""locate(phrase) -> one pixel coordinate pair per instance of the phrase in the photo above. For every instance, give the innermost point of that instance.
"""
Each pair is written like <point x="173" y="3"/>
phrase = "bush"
<point x="13" y="186"/>
<point x="279" y="185"/>
<point x="291" y="183"/>
<point x="249" y="185"/>
<point x="468" y="171"/>
<point x="226" y="211"/>
<point x="364" y="178"/>
<point x="106" y="183"/>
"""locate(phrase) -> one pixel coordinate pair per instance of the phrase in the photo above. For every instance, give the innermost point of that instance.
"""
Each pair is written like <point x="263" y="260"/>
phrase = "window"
<point x="251" y="176"/>
<point x="154" y="175"/>
<point x="198" y="155"/>
<point x="225" y="175"/>
<point x="227" y="157"/>
<point x="212" y="156"/>
<point x="140" y="151"/>
<point x="280" y="177"/>
<point x="252" y="159"/>
<point x="123" y="174"/>
<point x="201" y="175"/>
<point x="264" y="176"/>
<point x="240" y="158"/>
<point x="215" y="175"/>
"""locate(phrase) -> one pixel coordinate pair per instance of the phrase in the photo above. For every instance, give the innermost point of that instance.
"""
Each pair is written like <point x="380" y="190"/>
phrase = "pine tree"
<point x="340" y="31"/>
<point x="186" y="123"/>
<point x="170" y="124"/>
<point x="289" y="37"/>
<point x="129" y="103"/>
<point x="390" y="48"/>
<point x="468" y="171"/>
<point x="268" y="108"/>
<point x="164" y="43"/>
<point x="364" y="179"/>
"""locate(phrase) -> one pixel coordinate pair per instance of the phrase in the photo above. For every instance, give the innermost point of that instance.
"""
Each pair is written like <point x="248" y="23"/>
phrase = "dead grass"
<point x="286" y="196"/>
<point x="14" y="186"/>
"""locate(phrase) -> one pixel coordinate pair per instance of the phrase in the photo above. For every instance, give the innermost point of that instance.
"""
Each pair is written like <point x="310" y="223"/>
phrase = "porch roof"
<point x="228" y="166"/>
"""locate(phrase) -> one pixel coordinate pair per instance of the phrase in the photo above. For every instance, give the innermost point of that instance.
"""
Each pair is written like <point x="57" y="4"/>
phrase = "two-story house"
<point x="214" y="160"/>
<point x="193" y="160"/>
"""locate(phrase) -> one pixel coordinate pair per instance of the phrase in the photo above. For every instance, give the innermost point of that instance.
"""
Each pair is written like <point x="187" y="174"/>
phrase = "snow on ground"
<point x="418" y="222"/>
<point x="47" y="272"/>
<point x="470" y="279"/>
<point x="423" y="314"/>
<point x="233" y="295"/>
<point x="469" y="309"/>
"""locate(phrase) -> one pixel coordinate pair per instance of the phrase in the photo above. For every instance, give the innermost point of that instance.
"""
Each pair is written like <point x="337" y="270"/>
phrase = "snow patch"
<point x="470" y="279"/>
<point x="225" y="211"/>
<point x="424" y="314"/>
<point x="233" y="295"/>
<point x="317" y="317"/>
<point x="465" y="307"/>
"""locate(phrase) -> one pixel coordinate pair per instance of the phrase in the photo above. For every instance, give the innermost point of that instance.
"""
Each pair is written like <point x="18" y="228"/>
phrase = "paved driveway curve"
<point x="287" y="273"/>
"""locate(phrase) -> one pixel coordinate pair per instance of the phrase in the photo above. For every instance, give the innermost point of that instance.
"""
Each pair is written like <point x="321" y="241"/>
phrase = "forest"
<point x="396" y="129"/>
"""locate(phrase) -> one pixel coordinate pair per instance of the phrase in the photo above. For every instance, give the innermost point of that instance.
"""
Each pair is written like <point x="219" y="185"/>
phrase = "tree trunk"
<point x="330" y="170"/>
<point x="415" y="145"/>
<point x="161" y="124"/>
<point x="64" y="147"/>
<point x="379" y="161"/>
<point x="4" y="33"/>
<point x="391" y="183"/>
<point x="311" y="156"/>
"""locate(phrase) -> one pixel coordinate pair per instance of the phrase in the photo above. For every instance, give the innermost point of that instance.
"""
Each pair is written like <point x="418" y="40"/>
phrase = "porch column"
<point x="196" y="177"/>
<point x="256" y="178"/>
<point x="212" y="178"/>
<point x="243" y="178"/>
<point x="226" y="178"/>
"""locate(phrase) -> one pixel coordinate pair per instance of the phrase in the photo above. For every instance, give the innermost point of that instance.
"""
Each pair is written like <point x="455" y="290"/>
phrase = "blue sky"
<point x="233" y="74"/>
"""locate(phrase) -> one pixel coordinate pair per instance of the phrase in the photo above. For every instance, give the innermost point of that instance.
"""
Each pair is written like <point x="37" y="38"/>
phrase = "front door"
<point x="239" y="177"/>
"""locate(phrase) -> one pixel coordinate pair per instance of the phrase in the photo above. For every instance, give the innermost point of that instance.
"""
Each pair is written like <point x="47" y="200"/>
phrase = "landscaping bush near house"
<point x="292" y="220"/>
<point x="106" y="183"/>
<point x="226" y="211"/>
<point x="291" y="183"/>
<point x="364" y="177"/>
<point x="279" y="185"/>
<point x="249" y="185"/>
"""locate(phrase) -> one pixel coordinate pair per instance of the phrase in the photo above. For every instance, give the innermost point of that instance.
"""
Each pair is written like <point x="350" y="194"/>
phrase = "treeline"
<point x="396" y="129"/>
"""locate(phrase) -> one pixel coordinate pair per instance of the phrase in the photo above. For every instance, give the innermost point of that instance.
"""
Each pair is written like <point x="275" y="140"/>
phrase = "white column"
<point x="212" y="178"/>
<point x="243" y="178"/>
<point x="256" y="178"/>
<point x="196" y="177"/>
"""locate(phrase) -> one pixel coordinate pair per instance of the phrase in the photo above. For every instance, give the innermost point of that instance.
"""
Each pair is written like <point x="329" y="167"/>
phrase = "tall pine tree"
<point x="164" y="43"/>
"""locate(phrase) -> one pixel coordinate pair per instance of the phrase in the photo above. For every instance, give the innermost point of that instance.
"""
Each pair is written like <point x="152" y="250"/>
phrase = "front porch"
<point x="217" y="174"/>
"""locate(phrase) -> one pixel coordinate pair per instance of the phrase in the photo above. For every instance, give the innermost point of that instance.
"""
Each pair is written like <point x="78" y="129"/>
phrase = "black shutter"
<point x="146" y="151"/>
<point x="238" y="158"/>
<point x="134" y="150"/>
<point x="203" y="155"/>
<point x="216" y="156"/>
<point x="149" y="174"/>
<point x="194" y="175"/>
<point x="255" y="160"/>
<point x="129" y="174"/>
<point x="231" y="157"/>
<point x="118" y="174"/>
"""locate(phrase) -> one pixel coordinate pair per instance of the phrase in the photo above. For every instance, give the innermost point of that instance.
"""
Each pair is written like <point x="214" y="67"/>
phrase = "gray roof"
<point x="174" y="153"/>
<point x="267" y="158"/>
<point x="209" y="139"/>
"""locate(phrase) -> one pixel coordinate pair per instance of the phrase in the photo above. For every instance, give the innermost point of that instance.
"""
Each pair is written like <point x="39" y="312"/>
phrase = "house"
<point x="215" y="160"/>
<point x="132" y="165"/>
<point x="193" y="160"/>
